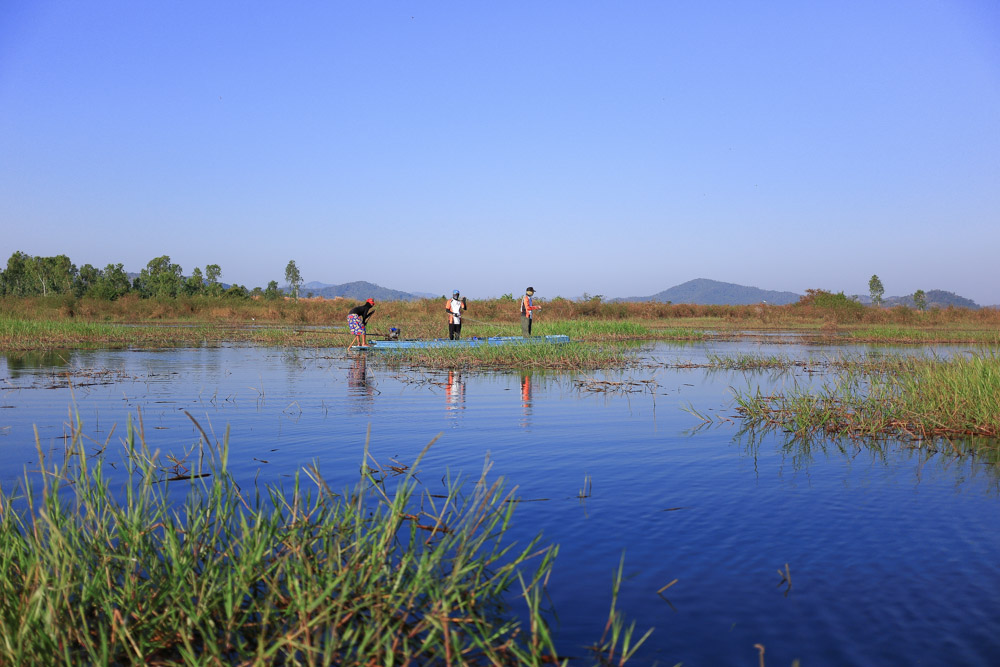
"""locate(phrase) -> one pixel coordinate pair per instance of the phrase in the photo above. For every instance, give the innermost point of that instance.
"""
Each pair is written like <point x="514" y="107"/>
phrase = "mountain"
<point x="358" y="290"/>
<point x="714" y="293"/>
<point x="935" y="298"/>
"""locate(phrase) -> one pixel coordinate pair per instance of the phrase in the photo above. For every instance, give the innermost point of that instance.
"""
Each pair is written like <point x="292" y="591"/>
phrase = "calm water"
<point x="893" y="553"/>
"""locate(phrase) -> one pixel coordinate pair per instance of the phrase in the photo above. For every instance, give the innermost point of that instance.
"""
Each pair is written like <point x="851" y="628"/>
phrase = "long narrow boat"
<point x="389" y="345"/>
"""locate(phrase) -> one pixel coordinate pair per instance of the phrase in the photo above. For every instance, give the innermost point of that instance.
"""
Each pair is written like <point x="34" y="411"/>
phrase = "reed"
<point x="909" y="398"/>
<point x="169" y="561"/>
<point x="744" y="362"/>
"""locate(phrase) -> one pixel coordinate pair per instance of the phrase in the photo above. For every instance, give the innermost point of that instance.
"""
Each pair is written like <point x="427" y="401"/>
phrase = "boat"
<point x="475" y="341"/>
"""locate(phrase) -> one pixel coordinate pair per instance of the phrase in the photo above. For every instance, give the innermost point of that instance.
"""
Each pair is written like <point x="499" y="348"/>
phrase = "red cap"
<point x="371" y="301"/>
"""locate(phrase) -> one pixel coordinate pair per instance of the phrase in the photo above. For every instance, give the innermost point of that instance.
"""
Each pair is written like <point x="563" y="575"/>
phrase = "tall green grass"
<point x="161" y="560"/>
<point x="906" y="397"/>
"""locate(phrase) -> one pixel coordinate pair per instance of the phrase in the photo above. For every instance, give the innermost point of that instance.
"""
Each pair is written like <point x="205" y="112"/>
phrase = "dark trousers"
<point x="454" y="331"/>
<point x="525" y="326"/>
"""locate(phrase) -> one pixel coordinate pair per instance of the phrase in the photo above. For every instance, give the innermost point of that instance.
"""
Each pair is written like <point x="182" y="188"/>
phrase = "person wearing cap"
<point x="455" y="306"/>
<point x="526" y="308"/>
<point x="357" y="318"/>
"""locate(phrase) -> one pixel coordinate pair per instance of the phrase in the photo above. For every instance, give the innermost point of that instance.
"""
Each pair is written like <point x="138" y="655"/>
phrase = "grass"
<point x="908" y="398"/>
<point x="168" y="561"/>
<point x="895" y="334"/>
<point x="228" y="319"/>
<point x="564" y="356"/>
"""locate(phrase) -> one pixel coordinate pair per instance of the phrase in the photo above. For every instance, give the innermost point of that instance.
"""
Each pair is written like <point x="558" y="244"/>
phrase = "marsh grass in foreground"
<point x="181" y="566"/>
<point x="911" y="398"/>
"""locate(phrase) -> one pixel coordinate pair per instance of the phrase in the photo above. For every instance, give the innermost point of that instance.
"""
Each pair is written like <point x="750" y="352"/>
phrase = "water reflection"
<point x="359" y="385"/>
<point x="454" y="392"/>
<point x="525" y="401"/>
<point x="18" y="362"/>
<point x="802" y="451"/>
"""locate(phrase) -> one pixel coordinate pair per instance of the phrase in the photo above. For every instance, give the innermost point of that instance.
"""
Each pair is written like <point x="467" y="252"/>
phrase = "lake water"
<point x="893" y="551"/>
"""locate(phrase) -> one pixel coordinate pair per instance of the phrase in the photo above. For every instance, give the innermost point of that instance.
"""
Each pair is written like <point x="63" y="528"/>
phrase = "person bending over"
<point x="357" y="318"/>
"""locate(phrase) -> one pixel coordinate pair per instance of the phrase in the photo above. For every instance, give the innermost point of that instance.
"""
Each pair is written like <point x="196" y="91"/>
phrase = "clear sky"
<point x="598" y="147"/>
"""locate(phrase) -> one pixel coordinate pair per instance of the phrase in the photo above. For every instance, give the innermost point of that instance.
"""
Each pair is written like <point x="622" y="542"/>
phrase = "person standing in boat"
<point x="455" y="306"/>
<point x="357" y="318"/>
<point x="526" y="311"/>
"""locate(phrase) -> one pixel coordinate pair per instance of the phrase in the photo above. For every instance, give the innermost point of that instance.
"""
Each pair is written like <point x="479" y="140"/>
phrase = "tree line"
<point x="27" y="275"/>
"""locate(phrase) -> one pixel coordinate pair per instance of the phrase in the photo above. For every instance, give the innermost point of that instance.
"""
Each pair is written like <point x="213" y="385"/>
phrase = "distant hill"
<point x="358" y="290"/>
<point x="935" y="298"/>
<point x="714" y="293"/>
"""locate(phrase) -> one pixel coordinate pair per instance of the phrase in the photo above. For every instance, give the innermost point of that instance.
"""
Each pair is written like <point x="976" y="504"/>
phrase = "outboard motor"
<point x="393" y="333"/>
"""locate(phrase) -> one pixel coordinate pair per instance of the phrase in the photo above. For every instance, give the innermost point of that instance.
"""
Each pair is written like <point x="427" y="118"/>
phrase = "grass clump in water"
<point x="913" y="398"/>
<point x="182" y="566"/>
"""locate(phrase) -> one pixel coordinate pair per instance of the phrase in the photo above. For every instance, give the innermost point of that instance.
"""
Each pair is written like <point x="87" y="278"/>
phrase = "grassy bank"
<point x="601" y="320"/>
<point x="166" y="561"/>
<point x="910" y="399"/>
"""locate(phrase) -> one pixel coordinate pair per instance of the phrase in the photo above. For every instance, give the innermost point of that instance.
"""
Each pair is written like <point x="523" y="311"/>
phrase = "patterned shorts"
<point x="355" y="324"/>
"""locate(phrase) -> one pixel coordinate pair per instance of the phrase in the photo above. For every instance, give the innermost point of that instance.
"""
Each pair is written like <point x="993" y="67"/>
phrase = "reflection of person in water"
<point x="357" y="378"/>
<point x="454" y="392"/>
<point x="525" y="399"/>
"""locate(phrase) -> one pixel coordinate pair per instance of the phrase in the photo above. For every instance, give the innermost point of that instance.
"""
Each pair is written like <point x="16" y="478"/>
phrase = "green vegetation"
<point x="566" y="356"/>
<point x="181" y="565"/>
<point x="876" y="290"/>
<point x="293" y="278"/>
<point x="908" y="398"/>
<point x="267" y="316"/>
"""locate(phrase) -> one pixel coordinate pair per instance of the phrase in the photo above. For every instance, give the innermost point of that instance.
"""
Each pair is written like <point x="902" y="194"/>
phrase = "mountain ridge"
<point x="703" y="291"/>
<point x="699" y="291"/>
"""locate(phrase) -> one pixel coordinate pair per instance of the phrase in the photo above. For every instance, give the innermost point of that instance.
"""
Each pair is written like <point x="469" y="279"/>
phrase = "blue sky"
<point x="613" y="148"/>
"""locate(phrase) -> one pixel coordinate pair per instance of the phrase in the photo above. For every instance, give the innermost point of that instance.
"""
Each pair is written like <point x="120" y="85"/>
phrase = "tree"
<point x="86" y="279"/>
<point x="114" y="282"/>
<point x="195" y="284"/>
<point x="160" y="278"/>
<point x="293" y="278"/>
<point x="212" y="273"/>
<point x="920" y="300"/>
<point x="876" y="290"/>
<point x="272" y="290"/>
<point x="15" y="277"/>
<point x="235" y="292"/>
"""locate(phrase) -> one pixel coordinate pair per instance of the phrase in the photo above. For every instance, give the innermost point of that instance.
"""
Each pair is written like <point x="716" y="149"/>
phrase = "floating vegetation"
<point x="616" y="387"/>
<point x="165" y="562"/>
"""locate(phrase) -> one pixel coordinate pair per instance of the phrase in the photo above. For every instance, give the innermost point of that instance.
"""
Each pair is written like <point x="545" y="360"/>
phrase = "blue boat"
<point x="389" y="345"/>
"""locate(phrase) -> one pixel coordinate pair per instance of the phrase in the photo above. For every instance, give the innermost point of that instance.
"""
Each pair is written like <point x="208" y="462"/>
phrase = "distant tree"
<point x="86" y="280"/>
<point x="212" y="273"/>
<point x="195" y="283"/>
<point x="15" y="277"/>
<point x="50" y="275"/>
<point x="272" y="290"/>
<point x="257" y="291"/>
<point x="920" y="300"/>
<point x="293" y="278"/>
<point x="160" y="278"/>
<point x="114" y="282"/>
<point x="876" y="290"/>
<point x="236" y="292"/>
